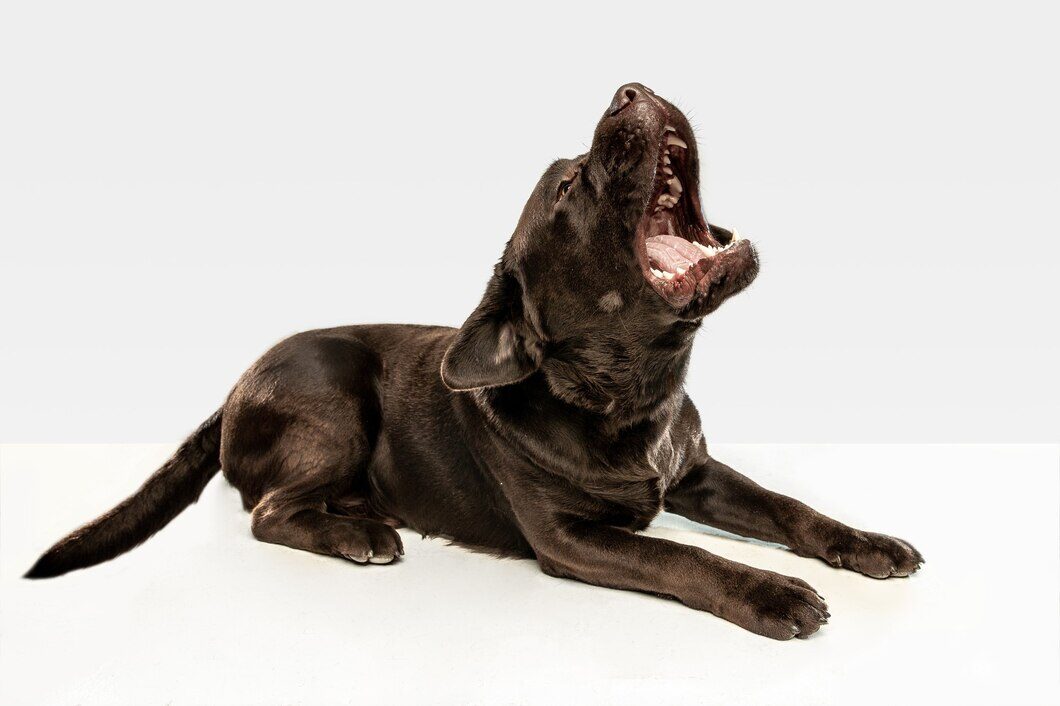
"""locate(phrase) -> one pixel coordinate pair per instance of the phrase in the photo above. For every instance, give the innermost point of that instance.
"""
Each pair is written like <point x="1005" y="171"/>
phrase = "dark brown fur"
<point x="553" y="424"/>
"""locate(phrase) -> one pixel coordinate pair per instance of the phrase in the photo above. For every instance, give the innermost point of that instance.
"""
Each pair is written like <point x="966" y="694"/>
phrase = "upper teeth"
<point x="672" y="139"/>
<point x="672" y="195"/>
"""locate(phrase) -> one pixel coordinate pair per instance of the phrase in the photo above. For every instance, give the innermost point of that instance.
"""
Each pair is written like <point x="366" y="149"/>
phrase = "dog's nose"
<point x="625" y="95"/>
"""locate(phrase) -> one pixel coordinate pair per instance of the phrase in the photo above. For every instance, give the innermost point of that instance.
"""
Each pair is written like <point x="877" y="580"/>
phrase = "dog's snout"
<point x="627" y="95"/>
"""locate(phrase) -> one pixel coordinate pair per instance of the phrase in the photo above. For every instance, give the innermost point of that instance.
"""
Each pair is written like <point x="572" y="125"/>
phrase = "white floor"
<point x="203" y="614"/>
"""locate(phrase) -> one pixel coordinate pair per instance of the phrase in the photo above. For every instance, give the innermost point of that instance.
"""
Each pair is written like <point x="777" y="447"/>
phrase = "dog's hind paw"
<point x="369" y="542"/>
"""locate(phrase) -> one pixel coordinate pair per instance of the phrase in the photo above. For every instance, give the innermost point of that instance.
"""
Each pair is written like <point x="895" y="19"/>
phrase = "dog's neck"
<point x="623" y="379"/>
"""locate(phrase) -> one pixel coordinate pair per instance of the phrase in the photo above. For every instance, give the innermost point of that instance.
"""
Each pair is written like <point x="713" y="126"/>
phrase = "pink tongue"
<point x="670" y="253"/>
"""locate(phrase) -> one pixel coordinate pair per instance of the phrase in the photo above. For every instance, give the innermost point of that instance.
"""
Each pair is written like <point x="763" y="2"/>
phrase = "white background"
<point x="203" y="614"/>
<point x="184" y="184"/>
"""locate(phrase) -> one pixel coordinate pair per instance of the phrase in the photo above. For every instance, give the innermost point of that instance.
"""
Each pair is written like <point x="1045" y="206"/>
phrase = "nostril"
<point x="625" y="95"/>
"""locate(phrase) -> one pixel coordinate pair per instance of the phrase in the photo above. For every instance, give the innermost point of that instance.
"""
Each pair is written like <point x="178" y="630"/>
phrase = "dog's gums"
<point x="552" y="425"/>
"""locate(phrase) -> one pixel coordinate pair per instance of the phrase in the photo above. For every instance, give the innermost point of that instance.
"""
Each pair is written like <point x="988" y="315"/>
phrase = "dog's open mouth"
<point x="681" y="256"/>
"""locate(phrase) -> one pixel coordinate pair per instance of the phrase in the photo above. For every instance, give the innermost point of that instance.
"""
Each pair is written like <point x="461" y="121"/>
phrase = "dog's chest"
<point x="657" y="452"/>
<point x="630" y="504"/>
<point x="633" y="484"/>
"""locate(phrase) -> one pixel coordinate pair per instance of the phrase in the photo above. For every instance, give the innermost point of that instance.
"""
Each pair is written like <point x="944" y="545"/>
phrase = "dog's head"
<point x="610" y="269"/>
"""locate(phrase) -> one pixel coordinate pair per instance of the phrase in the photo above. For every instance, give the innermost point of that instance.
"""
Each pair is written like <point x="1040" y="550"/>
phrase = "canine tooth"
<point x="657" y="273"/>
<point x="735" y="238"/>
<point x="677" y="141"/>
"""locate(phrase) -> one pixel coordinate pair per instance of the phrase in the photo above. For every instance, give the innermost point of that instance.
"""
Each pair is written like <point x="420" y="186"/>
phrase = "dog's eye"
<point x="568" y="182"/>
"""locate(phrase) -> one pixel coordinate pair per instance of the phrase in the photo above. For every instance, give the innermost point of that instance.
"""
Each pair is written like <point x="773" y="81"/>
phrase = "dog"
<point x="552" y="425"/>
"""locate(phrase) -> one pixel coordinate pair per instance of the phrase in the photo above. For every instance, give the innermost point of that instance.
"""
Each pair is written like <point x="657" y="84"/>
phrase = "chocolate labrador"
<point x="553" y="424"/>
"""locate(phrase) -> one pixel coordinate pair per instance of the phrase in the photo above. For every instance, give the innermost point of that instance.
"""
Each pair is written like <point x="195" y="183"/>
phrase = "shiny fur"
<point x="553" y="424"/>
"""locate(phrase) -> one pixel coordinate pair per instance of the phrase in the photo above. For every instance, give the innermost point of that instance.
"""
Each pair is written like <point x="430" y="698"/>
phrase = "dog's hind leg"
<point x="300" y="431"/>
<point x="315" y="494"/>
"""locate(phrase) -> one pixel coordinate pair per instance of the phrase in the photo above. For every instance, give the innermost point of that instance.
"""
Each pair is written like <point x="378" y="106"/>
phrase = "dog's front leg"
<point x="770" y="604"/>
<point x="715" y="494"/>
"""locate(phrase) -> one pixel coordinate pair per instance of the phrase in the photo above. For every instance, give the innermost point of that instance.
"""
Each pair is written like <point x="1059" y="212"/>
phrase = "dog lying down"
<point x="553" y="424"/>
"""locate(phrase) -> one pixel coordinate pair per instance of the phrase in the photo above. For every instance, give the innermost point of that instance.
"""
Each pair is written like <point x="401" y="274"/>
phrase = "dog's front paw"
<point x="774" y="605"/>
<point x="875" y="555"/>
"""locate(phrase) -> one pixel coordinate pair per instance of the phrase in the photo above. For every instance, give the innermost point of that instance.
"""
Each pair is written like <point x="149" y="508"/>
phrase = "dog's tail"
<point x="172" y="488"/>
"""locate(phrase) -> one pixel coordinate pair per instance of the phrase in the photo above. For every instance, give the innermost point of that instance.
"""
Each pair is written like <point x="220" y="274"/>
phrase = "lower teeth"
<point x="708" y="250"/>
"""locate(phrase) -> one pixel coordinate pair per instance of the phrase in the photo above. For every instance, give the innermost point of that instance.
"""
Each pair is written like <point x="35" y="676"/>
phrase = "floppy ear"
<point x="495" y="346"/>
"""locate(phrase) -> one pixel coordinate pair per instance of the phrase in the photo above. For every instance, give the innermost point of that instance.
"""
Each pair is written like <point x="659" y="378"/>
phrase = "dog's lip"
<point x="708" y="276"/>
